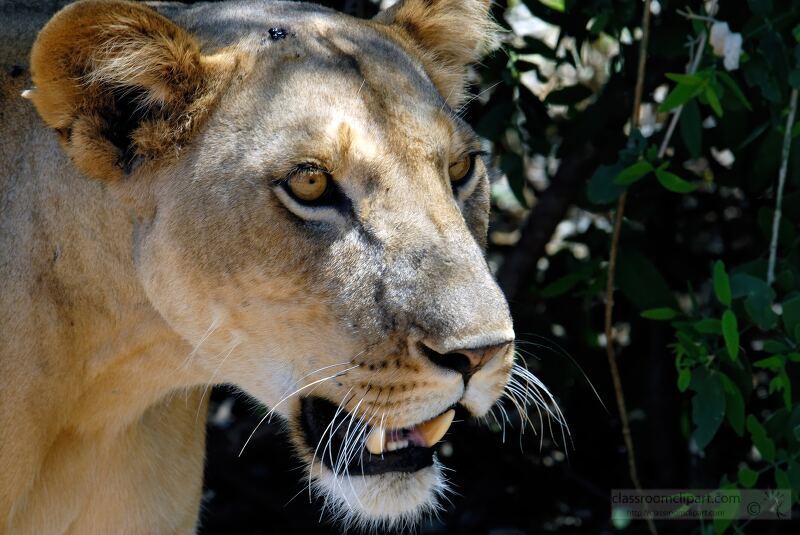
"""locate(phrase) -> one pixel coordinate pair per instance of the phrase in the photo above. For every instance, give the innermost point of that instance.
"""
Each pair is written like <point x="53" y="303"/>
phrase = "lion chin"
<point x="394" y="500"/>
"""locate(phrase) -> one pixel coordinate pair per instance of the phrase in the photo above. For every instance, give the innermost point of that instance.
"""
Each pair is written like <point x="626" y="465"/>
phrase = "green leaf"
<point x="562" y="285"/>
<point x="734" y="87"/>
<point x="684" y="378"/>
<point x="679" y="95"/>
<point x="775" y="346"/>
<point x="774" y="362"/>
<point x="633" y="173"/>
<point x="726" y="511"/>
<point x="708" y="405"/>
<point x="791" y="314"/>
<point x="730" y="332"/>
<point x="722" y="284"/>
<point x="601" y="188"/>
<point x="747" y="477"/>
<point x="759" y="308"/>
<point x="708" y="326"/>
<point x="713" y="100"/>
<point x="782" y="479"/>
<point x="761" y="441"/>
<point x="641" y="283"/>
<point x="557" y="5"/>
<point x="687" y="79"/>
<point x="743" y="285"/>
<point x="734" y="404"/>
<point x="673" y="182"/>
<point x="661" y="314"/>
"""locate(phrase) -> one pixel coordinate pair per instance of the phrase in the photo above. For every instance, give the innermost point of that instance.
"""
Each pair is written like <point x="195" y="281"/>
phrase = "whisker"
<point x="272" y="410"/>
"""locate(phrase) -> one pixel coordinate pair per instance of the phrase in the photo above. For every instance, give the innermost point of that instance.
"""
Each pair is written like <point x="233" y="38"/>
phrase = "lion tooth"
<point x="376" y="440"/>
<point x="433" y="430"/>
<point x="396" y="445"/>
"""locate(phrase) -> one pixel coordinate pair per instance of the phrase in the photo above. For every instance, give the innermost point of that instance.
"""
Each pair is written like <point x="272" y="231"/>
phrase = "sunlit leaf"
<point x="557" y="5"/>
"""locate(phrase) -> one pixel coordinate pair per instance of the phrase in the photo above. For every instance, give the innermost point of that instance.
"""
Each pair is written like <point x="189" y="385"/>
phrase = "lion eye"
<point x="460" y="169"/>
<point x="308" y="186"/>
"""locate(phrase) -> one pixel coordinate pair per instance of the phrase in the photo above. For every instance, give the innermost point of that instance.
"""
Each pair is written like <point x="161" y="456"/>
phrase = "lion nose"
<point x="465" y="361"/>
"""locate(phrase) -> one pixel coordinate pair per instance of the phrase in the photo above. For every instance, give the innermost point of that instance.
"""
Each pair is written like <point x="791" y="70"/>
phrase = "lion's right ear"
<point x="448" y="35"/>
<point x="122" y="84"/>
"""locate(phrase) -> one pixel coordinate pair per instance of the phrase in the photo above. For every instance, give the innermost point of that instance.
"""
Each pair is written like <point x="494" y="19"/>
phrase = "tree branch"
<point x="547" y="214"/>
<point x="776" y="220"/>
<point x="612" y="264"/>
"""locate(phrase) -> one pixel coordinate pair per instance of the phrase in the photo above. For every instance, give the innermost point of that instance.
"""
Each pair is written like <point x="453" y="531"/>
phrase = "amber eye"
<point x="308" y="186"/>
<point x="460" y="169"/>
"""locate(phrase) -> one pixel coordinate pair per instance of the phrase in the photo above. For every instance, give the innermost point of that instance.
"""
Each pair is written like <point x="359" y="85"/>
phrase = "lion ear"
<point x="447" y="34"/>
<point x="122" y="84"/>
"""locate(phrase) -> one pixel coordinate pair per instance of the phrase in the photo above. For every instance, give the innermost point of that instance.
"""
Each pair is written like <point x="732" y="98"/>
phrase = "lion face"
<point x="318" y="237"/>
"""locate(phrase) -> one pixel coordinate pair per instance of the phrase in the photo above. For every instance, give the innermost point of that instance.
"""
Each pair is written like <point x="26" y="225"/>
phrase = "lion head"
<point x="310" y="214"/>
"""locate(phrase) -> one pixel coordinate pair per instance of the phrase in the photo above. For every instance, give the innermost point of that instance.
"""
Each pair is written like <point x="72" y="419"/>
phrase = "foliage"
<point x="700" y="214"/>
<point x="709" y="350"/>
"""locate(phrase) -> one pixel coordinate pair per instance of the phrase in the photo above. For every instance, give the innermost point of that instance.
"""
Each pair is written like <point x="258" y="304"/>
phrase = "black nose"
<point x="465" y="361"/>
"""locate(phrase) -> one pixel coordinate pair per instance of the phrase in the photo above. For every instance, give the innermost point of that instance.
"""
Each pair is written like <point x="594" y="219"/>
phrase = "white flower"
<point x="726" y="44"/>
<point x="733" y="49"/>
<point x="719" y="32"/>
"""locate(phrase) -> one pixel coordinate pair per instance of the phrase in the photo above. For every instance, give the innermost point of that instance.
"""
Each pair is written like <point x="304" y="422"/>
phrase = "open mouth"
<point x="344" y="444"/>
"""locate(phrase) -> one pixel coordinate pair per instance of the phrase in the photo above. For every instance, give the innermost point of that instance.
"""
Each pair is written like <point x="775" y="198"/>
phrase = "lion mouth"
<point x="348" y="445"/>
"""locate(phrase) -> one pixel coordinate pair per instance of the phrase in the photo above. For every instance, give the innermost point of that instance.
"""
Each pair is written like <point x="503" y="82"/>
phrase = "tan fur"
<point x="94" y="49"/>
<point x="447" y="35"/>
<point x="186" y="265"/>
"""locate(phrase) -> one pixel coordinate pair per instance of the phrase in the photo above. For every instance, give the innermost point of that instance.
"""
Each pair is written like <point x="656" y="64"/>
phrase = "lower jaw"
<point x="382" y="502"/>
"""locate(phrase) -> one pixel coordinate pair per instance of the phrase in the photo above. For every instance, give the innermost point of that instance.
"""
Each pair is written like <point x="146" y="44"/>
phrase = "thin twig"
<point x="612" y="265"/>
<point x="676" y="115"/>
<point x="694" y="63"/>
<point x="776" y="219"/>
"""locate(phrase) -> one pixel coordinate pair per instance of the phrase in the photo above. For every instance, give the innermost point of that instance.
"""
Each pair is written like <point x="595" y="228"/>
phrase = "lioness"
<point x="267" y="194"/>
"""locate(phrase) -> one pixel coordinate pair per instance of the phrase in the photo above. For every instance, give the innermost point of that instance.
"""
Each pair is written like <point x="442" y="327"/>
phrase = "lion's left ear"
<point x="448" y="35"/>
<point x="122" y="84"/>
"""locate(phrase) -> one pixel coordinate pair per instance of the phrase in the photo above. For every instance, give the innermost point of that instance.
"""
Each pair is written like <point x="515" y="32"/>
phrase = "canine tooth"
<point x="376" y="440"/>
<point x="396" y="445"/>
<point x="433" y="430"/>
